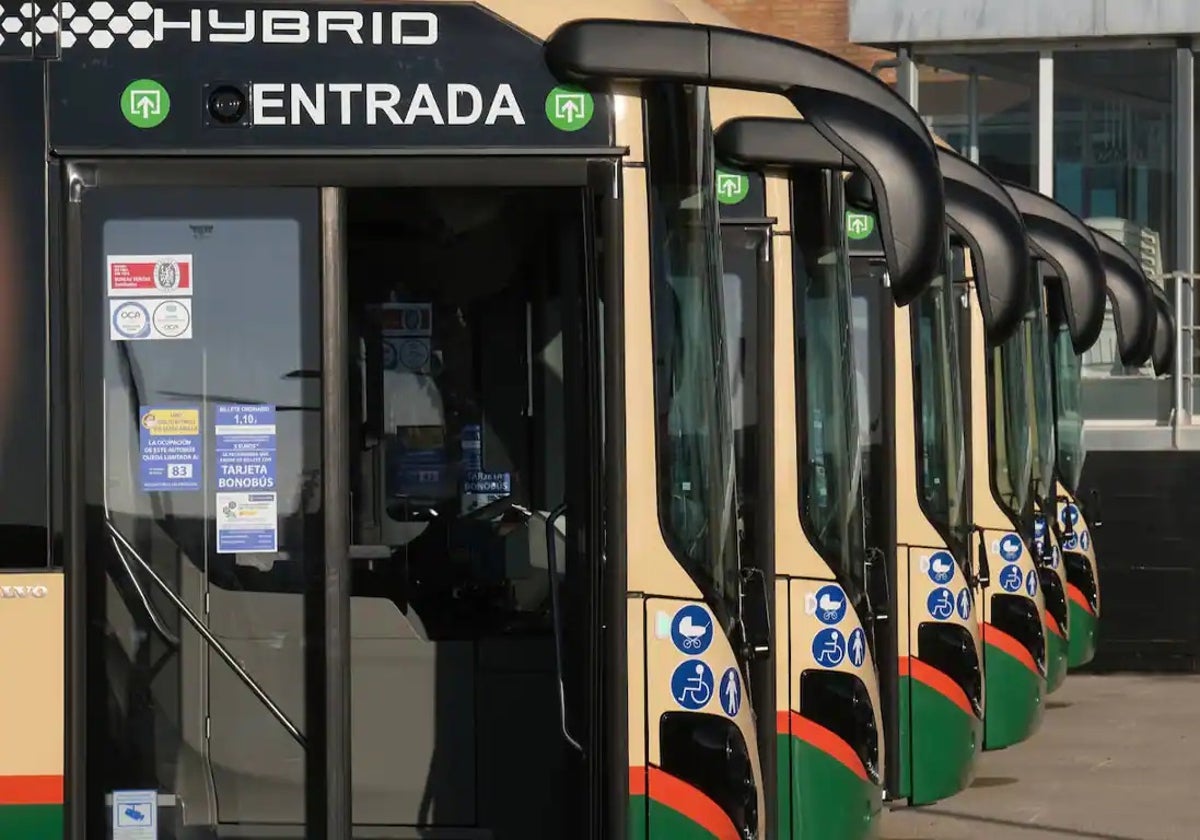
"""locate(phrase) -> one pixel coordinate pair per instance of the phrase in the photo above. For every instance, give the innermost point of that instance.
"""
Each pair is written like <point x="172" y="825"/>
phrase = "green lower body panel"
<point x="945" y="743"/>
<point x="662" y="807"/>
<point x="31" y="822"/>
<point x="1084" y="625"/>
<point x="825" y="798"/>
<point x="1056" y="661"/>
<point x="664" y="823"/>
<point x="1013" y="706"/>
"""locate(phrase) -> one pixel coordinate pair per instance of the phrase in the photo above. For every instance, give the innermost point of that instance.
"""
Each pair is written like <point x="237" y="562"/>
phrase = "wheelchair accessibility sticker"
<point x="1071" y="542"/>
<point x="1010" y="548"/>
<point x="940" y="603"/>
<point x="828" y="604"/>
<point x="692" y="684"/>
<point x="691" y="630"/>
<point x="1011" y="579"/>
<point x="829" y="647"/>
<point x="939" y="566"/>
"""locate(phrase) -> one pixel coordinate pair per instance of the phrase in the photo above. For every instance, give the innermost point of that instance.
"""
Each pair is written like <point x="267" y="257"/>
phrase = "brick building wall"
<point x="821" y="23"/>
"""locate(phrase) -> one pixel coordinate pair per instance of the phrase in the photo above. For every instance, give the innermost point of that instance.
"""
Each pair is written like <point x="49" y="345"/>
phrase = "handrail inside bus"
<point x="169" y="637"/>
<point x="212" y="640"/>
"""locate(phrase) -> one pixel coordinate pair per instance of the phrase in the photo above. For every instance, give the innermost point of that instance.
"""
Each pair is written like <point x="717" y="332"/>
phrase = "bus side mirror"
<point x="756" y="614"/>
<point x="1093" y="509"/>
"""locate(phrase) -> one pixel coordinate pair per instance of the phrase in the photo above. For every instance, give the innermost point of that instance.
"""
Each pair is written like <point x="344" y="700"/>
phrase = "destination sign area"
<point x="141" y="77"/>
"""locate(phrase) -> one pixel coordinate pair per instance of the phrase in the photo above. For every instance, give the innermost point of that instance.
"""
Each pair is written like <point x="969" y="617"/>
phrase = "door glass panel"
<point x="462" y="380"/>
<point x="203" y="463"/>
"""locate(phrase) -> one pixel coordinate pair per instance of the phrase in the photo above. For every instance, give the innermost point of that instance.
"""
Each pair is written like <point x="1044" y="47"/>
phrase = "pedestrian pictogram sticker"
<point x="964" y="603"/>
<point x="1031" y="583"/>
<point x="731" y="692"/>
<point x="1085" y="541"/>
<point x="856" y="647"/>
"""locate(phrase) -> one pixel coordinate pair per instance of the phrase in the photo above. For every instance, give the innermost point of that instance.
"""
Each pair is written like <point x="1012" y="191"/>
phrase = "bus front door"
<point x="339" y="485"/>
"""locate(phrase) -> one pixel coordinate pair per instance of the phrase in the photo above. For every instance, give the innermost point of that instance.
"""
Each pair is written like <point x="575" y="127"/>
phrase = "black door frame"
<point x="328" y="782"/>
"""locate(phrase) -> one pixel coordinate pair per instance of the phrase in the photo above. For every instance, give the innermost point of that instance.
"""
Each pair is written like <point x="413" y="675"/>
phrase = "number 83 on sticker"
<point x="179" y="471"/>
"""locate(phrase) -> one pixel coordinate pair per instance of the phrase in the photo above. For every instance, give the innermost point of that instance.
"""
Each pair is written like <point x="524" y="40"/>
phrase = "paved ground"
<point x="1117" y="758"/>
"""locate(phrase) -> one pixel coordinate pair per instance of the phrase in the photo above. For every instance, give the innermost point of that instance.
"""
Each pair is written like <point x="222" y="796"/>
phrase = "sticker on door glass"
<point x="247" y="523"/>
<point x="407" y="336"/>
<point x="170" y="448"/>
<point x="134" y="815"/>
<point x="149" y="319"/>
<point x="153" y="275"/>
<point x="244" y="440"/>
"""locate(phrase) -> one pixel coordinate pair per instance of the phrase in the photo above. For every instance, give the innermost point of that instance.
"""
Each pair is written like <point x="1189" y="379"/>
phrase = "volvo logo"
<point x="39" y="591"/>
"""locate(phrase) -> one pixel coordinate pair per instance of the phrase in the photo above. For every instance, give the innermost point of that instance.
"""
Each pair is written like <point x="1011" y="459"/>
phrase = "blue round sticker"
<point x="731" y="692"/>
<point x="941" y="567"/>
<point x="1084" y="540"/>
<point x="856" y="647"/>
<point x="940" y="603"/>
<point x="831" y="604"/>
<point x="964" y="603"/>
<point x="1031" y="583"/>
<point x="692" y="684"/>
<point x="1010" y="548"/>
<point x="1011" y="579"/>
<point x="1070" y="515"/>
<point x="1071" y="542"/>
<point x="691" y="629"/>
<point x="1039" y="526"/>
<point x="829" y="647"/>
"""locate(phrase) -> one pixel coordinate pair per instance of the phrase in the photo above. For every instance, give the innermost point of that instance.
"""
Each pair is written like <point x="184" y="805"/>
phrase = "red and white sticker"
<point x="154" y="275"/>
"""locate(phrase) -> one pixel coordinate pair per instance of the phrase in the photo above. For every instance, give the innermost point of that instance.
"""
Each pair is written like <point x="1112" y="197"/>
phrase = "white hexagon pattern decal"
<point x="97" y="24"/>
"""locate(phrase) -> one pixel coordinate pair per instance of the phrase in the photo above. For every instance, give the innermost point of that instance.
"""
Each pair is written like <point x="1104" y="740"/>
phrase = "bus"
<point x="787" y="308"/>
<point x="1070" y="579"/>
<point x="447" y="477"/>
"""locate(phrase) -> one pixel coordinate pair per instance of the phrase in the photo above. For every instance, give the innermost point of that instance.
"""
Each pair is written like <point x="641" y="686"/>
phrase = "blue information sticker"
<point x="1070" y="515"/>
<point x="244" y="440"/>
<point x="1031" y="582"/>
<point x="856" y="647"/>
<point x="964" y="603"/>
<point x="1084" y="540"/>
<point x="829" y="647"/>
<point x="692" y="684"/>
<point x="692" y="629"/>
<point x="831" y="604"/>
<point x="940" y="603"/>
<point x="171" y="448"/>
<point x="1010" y="548"/>
<point x="1011" y="578"/>
<point x="941" y="567"/>
<point x="731" y="692"/>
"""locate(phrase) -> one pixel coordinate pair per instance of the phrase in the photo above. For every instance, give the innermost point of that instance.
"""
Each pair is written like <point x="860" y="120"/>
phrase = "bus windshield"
<point x="1043" y="401"/>
<point x="1068" y="408"/>
<point x="826" y="384"/>
<point x="1011" y="437"/>
<point x="692" y="407"/>
<point x="941" y="435"/>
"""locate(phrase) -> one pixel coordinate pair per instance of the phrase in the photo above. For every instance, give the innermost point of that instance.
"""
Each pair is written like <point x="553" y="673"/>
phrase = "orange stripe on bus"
<point x="925" y="673"/>
<point x="999" y="639"/>
<point x="827" y="741"/>
<point x="1076" y="595"/>
<point x="679" y="796"/>
<point x="31" y="790"/>
<point x="1052" y="624"/>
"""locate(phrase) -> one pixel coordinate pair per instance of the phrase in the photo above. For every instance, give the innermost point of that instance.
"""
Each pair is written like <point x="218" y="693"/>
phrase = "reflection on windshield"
<point x="695" y="442"/>
<point x="1043" y="407"/>
<point x="941" y="437"/>
<point x="826" y="383"/>
<point x="1068" y="399"/>
<point x="1011" y="413"/>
